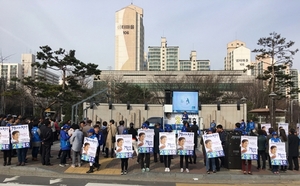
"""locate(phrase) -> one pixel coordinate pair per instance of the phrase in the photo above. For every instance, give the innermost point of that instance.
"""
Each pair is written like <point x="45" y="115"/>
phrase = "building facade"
<point x="295" y="79"/>
<point x="193" y="64"/>
<point x="129" y="38"/>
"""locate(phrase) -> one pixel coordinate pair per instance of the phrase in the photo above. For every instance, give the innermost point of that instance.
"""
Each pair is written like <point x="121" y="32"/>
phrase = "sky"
<point x="88" y="26"/>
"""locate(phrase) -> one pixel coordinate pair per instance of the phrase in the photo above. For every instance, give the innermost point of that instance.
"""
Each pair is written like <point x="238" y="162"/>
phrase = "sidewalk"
<point x="110" y="169"/>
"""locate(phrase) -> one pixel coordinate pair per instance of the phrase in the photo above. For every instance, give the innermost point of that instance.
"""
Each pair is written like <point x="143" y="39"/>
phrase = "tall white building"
<point x="238" y="56"/>
<point x="129" y="39"/>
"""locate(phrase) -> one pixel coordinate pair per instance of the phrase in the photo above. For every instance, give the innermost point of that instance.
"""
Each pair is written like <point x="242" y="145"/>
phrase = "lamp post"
<point x="272" y="95"/>
<point x="243" y="99"/>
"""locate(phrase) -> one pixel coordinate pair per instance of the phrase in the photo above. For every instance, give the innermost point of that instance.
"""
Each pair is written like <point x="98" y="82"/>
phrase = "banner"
<point x="89" y="149"/>
<point x="175" y="120"/>
<point x="4" y="138"/>
<point x="213" y="145"/>
<point x="145" y="140"/>
<point x="249" y="148"/>
<point x="266" y="127"/>
<point x="20" y="136"/>
<point x="285" y="126"/>
<point x="167" y="143"/>
<point x="185" y="143"/>
<point x="124" y="146"/>
<point x="277" y="153"/>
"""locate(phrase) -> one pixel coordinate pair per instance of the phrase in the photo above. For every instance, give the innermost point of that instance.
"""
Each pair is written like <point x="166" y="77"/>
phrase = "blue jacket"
<point x="275" y="140"/>
<point x="250" y="126"/>
<point x="243" y="125"/>
<point x="168" y="128"/>
<point x="64" y="140"/>
<point x="35" y="135"/>
<point x="99" y="137"/>
<point x="240" y="130"/>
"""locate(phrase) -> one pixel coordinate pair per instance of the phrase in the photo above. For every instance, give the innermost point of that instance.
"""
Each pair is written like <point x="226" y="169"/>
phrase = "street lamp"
<point x="243" y="99"/>
<point x="272" y="95"/>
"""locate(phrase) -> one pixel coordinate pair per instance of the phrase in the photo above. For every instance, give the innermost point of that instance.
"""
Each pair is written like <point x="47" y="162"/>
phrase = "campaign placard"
<point x="213" y="145"/>
<point x="167" y="143"/>
<point x="89" y="149"/>
<point x="20" y="136"/>
<point x="145" y="140"/>
<point x="277" y="153"/>
<point x="249" y="148"/>
<point x="185" y="143"/>
<point x="285" y="126"/>
<point x="123" y="146"/>
<point x="4" y="138"/>
<point x="266" y="127"/>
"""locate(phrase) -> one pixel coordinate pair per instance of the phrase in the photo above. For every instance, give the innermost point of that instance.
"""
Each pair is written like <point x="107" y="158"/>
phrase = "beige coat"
<point x="111" y="131"/>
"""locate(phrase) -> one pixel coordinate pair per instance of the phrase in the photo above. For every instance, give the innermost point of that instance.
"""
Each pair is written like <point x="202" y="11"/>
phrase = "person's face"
<point x="245" y="144"/>
<point x="16" y="136"/>
<point x="96" y="129"/>
<point x="81" y="125"/>
<point x="209" y="144"/>
<point x="164" y="140"/>
<point x="273" y="151"/>
<point x="120" y="143"/>
<point x="181" y="142"/>
<point x="169" y="116"/>
<point x="86" y="148"/>
<point x="142" y="137"/>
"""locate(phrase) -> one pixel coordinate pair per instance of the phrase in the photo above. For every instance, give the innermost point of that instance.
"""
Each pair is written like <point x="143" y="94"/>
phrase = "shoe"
<point x="187" y="170"/>
<point x="73" y="166"/>
<point x="208" y="172"/>
<point x="250" y="173"/>
<point x="166" y="169"/>
<point x="62" y="165"/>
<point x="122" y="173"/>
<point x="125" y="172"/>
<point x="9" y="163"/>
<point x="22" y="164"/>
<point x="147" y="169"/>
<point x="143" y="169"/>
<point x="79" y="164"/>
<point x="49" y="164"/>
<point x="214" y="171"/>
<point x="58" y="157"/>
<point x="89" y="171"/>
<point x="245" y="172"/>
<point x="19" y="164"/>
<point x="181" y="170"/>
<point x="66" y="164"/>
<point x="4" y="164"/>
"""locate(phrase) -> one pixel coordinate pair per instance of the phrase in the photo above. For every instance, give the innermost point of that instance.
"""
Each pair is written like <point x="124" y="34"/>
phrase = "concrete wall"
<point x="227" y="116"/>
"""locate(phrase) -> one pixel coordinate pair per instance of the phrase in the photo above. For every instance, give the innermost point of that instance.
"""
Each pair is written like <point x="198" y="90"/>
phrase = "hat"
<point x="145" y="125"/>
<point x="274" y="133"/>
<point x="91" y="131"/>
<point x="66" y="126"/>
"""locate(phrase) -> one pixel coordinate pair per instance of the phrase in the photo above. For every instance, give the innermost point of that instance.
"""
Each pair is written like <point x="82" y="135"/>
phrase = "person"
<point x="271" y="130"/>
<point x="124" y="161"/>
<point x="46" y="137"/>
<point x="185" y="127"/>
<point x="15" y="137"/>
<point x="91" y="134"/>
<point x="210" y="163"/>
<point x="76" y="141"/>
<point x="222" y="135"/>
<point x="284" y="139"/>
<point x="110" y="140"/>
<point x="244" y="146"/>
<point x="35" y="141"/>
<point x="64" y="145"/>
<point x="121" y="127"/>
<point x="180" y="146"/>
<point x="104" y="135"/>
<point x="213" y="124"/>
<point x="163" y="141"/>
<point x="144" y="157"/>
<point x="99" y="137"/>
<point x="119" y="146"/>
<point x="86" y="127"/>
<point x="293" y="152"/>
<point x="239" y="129"/>
<point x="261" y="143"/>
<point x="243" y="125"/>
<point x="157" y="129"/>
<point x="194" y="128"/>
<point x="86" y="148"/>
<point x="274" y="139"/>
<point x="185" y="116"/>
<point x="250" y="126"/>
<point x="7" y="154"/>
<point x="133" y="133"/>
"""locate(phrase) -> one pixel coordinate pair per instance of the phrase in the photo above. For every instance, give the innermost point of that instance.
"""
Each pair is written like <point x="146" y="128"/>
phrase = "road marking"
<point x="55" y="181"/>
<point x="11" y="179"/>
<point x="107" y="184"/>
<point x="17" y="184"/>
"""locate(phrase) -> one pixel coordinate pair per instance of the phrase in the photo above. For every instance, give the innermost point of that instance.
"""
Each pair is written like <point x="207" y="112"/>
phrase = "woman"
<point x="163" y="140"/>
<point x="35" y="141"/>
<point x="283" y="138"/>
<point x="274" y="139"/>
<point x="210" y="163"/>
<point x="111" y="138"/>
<point x="157" y="129"/>
<point x="261" y="143"/>
<point x="181" y="142"/>
<point x="244" y="149"/>
<point x="143" y="156"/>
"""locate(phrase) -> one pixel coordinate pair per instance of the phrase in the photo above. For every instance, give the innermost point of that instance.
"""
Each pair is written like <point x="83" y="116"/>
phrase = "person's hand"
<point x="120" y="149"/>
<point x="273" y="157"/>
<point x="162" y="147"/>
<point x="245" y="150"/>
<point x="141" y="144"/>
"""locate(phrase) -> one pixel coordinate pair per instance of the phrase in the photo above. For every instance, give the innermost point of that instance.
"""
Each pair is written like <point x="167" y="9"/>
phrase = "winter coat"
<point x="293" y="142"/>
<point x="111" y="132"/>
<point x="76" y="140"/>
<point x="35" y="137"/>
<point x="64" y="140"/>
<point x="262" y="142"/>
<point x="156" y="140"/>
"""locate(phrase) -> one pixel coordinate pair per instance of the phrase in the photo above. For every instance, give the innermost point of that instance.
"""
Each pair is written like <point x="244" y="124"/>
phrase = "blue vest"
<point x="35" y="135"/>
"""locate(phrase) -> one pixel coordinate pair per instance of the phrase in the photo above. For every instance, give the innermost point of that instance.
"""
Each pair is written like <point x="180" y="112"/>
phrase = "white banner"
<point x="277" y="153"/>
<point x="213" y="145"/>
<point x="185" y="143"/>
<point x="167" y="143"/>
<point x="123" y="146"/>
<point x="89" y="149"/>
<point x="145" y="140"/>
<point x="249" y="149"/>
<point x="285" y="126"/>
<point x="20" y="136"/>
<point x="4" y="138"/>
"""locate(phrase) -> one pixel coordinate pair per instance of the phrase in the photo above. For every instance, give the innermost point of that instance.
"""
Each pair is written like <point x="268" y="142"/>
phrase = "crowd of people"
<point x="43" y="132"/>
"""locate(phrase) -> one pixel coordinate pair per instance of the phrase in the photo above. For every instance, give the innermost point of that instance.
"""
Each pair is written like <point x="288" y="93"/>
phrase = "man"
<point x="194" y="129"/>
<point x="222" y="135"/>
<point x="185" y="116"/>
<point x="46" y="137"/>
<point x="87" y="127"/>
<point x="243" y="125"/>
<point x="213" y="124"/>
<point x="76" y="142"/>
<point x="98" y="135"/>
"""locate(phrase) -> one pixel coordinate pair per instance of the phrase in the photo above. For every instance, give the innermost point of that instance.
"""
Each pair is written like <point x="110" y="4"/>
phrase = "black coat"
<point x="156" y="140"/>
<point x="293" y="142"/>
<point x="194" y="129"/>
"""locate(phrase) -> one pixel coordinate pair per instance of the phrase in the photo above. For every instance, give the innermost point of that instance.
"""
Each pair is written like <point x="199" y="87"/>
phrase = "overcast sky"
<point x="88" y="26"/>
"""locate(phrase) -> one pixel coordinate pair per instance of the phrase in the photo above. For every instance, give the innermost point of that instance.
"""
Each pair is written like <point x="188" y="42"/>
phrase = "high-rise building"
<point x="295" y="79"/>
<point x="238" y="56"/>
<point x="194" y="64"/>
<point x="129" y="39"/>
